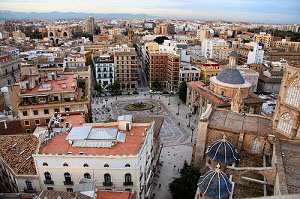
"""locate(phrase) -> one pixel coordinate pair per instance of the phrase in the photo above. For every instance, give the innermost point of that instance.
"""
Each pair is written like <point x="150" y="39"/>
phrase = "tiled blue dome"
<point x="231" y="76"/>
<point x="215" y="184"/>
<point x="222" y="151"/>
<point x="233" y="54"/>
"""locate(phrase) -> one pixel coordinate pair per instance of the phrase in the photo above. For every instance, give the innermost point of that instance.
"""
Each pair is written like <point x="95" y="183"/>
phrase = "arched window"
<point x="106" y="165"/>
<point x="45" y="164"/>
<point x="85" y="165"/>
<point x="293" y="93"/>
<point x="47" y="176"/>
<point x="87" y="176"/>
<point x="67" y="177"/>
<point x="107" y="178"/>
<point x="127" y="177"/>
<point x="127" y="165"/>
<point x="285" y="123"/>
<point x="65" y="165"/>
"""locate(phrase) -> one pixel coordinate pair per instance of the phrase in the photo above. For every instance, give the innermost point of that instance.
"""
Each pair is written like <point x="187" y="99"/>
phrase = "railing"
<point x="48" y="182"/>
<point x="68" y="183"/>
<point x="107" y="184"/>
<point x="127" y="183"/>
<point x="29" y="190"/>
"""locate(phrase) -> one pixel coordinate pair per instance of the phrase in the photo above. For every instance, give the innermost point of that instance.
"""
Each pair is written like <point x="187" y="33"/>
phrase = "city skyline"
<point x="264" y="11"/>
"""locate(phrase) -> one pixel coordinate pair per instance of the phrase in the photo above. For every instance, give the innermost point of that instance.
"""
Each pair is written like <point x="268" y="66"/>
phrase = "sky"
<point x="258" y="11"/>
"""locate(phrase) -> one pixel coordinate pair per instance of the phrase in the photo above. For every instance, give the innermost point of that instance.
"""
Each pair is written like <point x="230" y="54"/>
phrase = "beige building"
<point x="90" y="25"/>
<point x="161" y="29"/>
<point x="284" y="44"/>
<point x="56" y="33"/>
<point x="266" y="39"/>
<point x="10" y="67"/>
<point x="35" y="99"/>
<point x="125" y="61"/>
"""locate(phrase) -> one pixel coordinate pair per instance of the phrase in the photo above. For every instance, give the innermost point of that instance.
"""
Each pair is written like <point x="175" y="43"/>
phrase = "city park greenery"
<point x="182" y="91"/>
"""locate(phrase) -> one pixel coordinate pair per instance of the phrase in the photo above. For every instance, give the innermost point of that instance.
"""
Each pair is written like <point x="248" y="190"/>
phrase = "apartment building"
<point x="118" y="156"/>
<point x="161" y="64"/>
<point x="209" y="70"/>
<point x="188" y="73"/>
<point x="161" y="29"/>
<point x="10" y="67"/>
<point x="284" y="44"/>
<point x="266" y="39"/>
<point x="35" y="99"/>
<point x="125" y="62"/>
<point x="90" y="26"/>
<point x="215" y="49"/>
<point x="104" y="70"/>
<point x="78" y="60"/>
<point x="251" y="53"/>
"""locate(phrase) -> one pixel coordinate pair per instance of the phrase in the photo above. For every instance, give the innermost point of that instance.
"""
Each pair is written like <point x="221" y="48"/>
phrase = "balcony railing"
<point x="68" y="183"/>
<point x="107" y="184"/>
<point x="48" y="182"/>
<point x="127" y="183"/>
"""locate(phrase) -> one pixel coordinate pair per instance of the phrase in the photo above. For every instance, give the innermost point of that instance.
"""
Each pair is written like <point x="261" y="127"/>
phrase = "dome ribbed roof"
<point x="230" y="76"/>
<point x="222" y="151"/>
<point x="233" y="54"/>
<point x="215" y="184"/>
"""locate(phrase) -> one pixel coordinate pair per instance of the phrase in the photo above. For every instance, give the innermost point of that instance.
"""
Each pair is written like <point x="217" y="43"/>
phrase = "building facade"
<point x="104" y="69"/>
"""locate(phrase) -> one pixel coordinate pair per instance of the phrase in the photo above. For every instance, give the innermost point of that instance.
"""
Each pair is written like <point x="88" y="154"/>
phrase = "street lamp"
<point x="178" y="104"/>
<point x="116" y="96"/>
<point x="106" y="99"/>
<point x="193" y="128"/>
<point x="169" y="100"/>
<point x="189" y="115"/>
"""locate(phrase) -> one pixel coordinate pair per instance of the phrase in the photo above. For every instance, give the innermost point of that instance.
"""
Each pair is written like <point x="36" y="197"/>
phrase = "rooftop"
<point x="55" y="85"/>
<point x="113" y="195"/>
<point x="47" y="194"/>
<point x="230" y="76"/>
<point x="16" y="151"/>
<point x="134" y="138"/>
<point x="236" y="122"/>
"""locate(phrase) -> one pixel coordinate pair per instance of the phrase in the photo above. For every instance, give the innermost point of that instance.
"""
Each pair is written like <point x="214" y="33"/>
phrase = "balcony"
<point x="29" y="190"/>
<point x="127" y="183"/>
<point x="68" y="183"/>
<point x="48" y="182"/>
<point x="107" y="184"/>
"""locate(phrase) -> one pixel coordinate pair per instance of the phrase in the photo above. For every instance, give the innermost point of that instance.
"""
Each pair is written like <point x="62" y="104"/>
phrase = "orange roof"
<point x="56" y="85"/>
<point x="114" y="195"/>
<point x="58" y="144"/>
<point x="213" y="98"/>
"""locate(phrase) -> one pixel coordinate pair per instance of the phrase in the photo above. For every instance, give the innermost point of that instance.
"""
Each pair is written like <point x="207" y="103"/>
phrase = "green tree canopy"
<point x="161" y="39"/>
<point x="182" y="91"/>
<point x="185" y="186"/>
<point x="114" y="88"/>
<point x="156" y="85"/>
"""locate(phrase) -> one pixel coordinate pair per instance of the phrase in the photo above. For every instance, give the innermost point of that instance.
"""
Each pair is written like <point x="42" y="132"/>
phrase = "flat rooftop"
<point x="114" y="195"/>
<point x="56" y="85"/>
<point x="134" y="138"/>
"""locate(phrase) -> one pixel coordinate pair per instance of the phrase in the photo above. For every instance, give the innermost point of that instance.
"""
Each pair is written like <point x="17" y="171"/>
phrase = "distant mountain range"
<point x="5" y="14"/>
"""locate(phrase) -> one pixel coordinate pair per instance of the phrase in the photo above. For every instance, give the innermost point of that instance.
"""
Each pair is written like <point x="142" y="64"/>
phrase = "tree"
<point x="185" y="186"/>
<point x="98" y="88"/>
<point x="114" y="88"/>
<point x="182" y="91"/>
<point x="161" y="39"/>
<point x="156" y="85"/>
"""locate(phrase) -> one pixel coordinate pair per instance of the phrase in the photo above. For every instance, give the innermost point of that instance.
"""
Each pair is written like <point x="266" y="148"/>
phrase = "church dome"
<point x="231" y="76"/>
<point x="215" y="184"/>
<point x="233" y="54"/>
<point x="222" y="151"/>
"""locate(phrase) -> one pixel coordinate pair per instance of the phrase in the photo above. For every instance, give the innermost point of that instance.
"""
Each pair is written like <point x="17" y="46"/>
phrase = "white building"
<point x="118" y="156"/>
<point x="250" y="76"/>
<point x="256" y="53"/>
<point x="208" y="45"/>
<point x="104" y="69"/>
<point x="188" y="73"/>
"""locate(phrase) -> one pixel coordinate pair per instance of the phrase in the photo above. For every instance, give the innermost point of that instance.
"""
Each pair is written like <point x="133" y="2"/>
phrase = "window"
<point x="56" y="110"/>
<point x="65" y="165"/>
<point x="47" y="121"/>
<point x="47" y="176"/>
<point x="107" y="179"/>
<point x="285" y="123"/>
<point x="293" y="93"/>
<point x="49" y="188"/>
<point x="67" y="177"/>
<point x="128" y="178"/>
<point x="85" y="165"/>
<point x="69" y="189"/>
<point x="87" y="176"/>
<point x="127" y="165"/>
<point x="67" y="109"/>
<point x="106" y="165"/>
<point x="29" y="185"/>
<point x="25" y="113"/>
<point x="45" y="164"/>
<point x="26" y="123"/>
<point x="37" y="122"/>
<point x="35" y="112"/>
<point x="46" y="111"/>
<point x="28" y="131"/>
